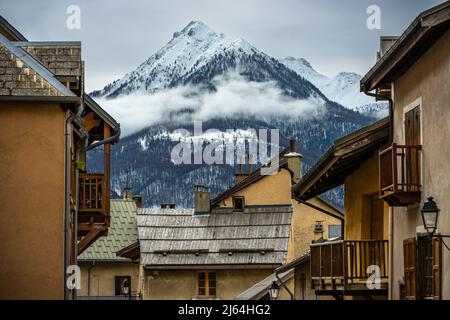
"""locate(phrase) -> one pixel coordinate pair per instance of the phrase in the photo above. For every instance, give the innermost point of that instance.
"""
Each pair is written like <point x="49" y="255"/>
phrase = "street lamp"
<point x="430" y="213"/>
<point x="274" y="290"/>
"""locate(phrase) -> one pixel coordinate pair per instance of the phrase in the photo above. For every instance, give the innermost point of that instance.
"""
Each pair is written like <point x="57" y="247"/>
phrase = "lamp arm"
<point x="442" y="241"/>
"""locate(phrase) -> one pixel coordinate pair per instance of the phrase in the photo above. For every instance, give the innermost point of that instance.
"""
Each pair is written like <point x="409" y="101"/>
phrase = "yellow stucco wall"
<point x="270" y="190"/>
<point x="302" y="226"/>
<point x="359" y="186"/>
<point x="102" y="277"/>
<point x="428" y="81"/>
<point x="182" y="284"/>
<point x="32" y="200"/>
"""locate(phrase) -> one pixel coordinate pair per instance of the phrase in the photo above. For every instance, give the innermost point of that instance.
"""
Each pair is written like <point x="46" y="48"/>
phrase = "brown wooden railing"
<point x="339" y="263"/>
<point x="92" y="195"/>
<point x="400" y="170"/>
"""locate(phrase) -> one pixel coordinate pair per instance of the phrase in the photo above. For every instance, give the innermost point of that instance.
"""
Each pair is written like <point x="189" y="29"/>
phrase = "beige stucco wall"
<point x="360" y="185"/>
<point x="428" y="79"/>
<point x="270" y="190"/>
<point x="302" y="226"/>
<point x="32" y="201"/>
<point x="182" y="284"/>
<point x="102" y="277"/>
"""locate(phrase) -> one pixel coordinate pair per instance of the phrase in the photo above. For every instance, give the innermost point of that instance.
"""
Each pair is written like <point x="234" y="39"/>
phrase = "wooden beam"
<point x="91" y="121"/>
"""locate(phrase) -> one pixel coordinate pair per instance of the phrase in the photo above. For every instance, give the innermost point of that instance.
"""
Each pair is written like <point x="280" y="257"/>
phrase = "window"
<point x="206" y="284"/>
<point x="238" y="203"/>
<point x="122" y="285"/>
<point x="334" y="231"/>
<point x="422" y="266"/>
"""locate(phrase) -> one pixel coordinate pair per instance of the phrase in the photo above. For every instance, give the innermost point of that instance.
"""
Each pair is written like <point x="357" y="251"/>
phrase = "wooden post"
<point x="106" y="169"/>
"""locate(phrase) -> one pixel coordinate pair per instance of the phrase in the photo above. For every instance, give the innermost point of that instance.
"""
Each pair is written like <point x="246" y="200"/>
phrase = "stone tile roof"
<point x="122" y="233"/>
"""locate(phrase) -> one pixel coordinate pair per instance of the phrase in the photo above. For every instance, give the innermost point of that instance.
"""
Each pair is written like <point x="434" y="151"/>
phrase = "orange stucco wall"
<point x="31" y="201"/>
<point x="361" y="184"/>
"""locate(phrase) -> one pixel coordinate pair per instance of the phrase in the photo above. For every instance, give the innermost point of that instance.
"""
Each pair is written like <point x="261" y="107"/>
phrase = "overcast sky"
<point x="118" y="35"/>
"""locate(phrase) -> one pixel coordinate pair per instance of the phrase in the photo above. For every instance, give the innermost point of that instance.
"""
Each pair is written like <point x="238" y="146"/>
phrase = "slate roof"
<point x="174" y="237"/>
<point x="122" y="233"/>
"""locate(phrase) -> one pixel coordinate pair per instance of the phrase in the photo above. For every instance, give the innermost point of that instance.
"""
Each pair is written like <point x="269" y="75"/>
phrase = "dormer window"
<point x="238" y="204"/>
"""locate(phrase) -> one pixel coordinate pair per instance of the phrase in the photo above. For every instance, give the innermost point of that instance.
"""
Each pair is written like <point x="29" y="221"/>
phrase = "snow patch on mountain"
<point x="343" y="88"/>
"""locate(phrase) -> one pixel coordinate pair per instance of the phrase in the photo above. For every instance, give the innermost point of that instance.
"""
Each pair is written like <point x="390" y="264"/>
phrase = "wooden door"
<point x="376" y="218"/>
<point x="412" y="138"/>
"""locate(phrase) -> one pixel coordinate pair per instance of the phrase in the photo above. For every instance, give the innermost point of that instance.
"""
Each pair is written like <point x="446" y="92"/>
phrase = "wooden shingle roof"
<point x="175" y="237"/>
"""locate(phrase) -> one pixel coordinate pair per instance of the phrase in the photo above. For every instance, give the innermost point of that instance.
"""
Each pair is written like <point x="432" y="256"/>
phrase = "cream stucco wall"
<point x="270" y="190"/>
<point x="182" y="284"/>
<point x="427" y="80"/>
<point x="101" y="276"/>
<point x="32" y="200"/>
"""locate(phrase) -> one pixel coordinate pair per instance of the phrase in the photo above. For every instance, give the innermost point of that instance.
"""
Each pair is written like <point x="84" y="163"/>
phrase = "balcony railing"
<point x="346" y="265"/>
<point x="400" y="174"/>
<point x="92" y="195"/>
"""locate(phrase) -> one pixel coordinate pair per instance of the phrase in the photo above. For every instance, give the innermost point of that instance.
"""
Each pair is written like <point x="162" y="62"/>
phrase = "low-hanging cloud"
<point x="234" y="96"/>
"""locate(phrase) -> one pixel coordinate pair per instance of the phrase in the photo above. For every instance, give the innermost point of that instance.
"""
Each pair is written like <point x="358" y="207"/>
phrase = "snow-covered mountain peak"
<point x="197" y="30"/>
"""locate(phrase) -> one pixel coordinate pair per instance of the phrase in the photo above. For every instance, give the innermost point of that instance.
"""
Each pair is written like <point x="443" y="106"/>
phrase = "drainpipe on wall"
<point x="391" y="112"/>
<point x="89" y="278"/>
<point x="85" y="137"/>
<point x="284" y="285"/>
<point x="391" y="215"/>
<point x="68" y="135"/>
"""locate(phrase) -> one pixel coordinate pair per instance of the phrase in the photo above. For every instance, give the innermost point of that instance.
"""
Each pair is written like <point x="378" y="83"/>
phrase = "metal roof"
<point x="122" y="233"/>
<point x="175" y="237"/>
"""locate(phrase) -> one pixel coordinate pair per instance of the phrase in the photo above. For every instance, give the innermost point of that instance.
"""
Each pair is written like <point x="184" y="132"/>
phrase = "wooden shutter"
<point x="409" y="262"/>
<point x="437" y="260"/>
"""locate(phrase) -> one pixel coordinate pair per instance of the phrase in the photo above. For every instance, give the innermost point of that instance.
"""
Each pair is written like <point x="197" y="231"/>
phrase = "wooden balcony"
<point x="93" y="209"/>
<point x="399" y="172"/>
<point x="340" y="268"/>
<point x="91" y="194"/>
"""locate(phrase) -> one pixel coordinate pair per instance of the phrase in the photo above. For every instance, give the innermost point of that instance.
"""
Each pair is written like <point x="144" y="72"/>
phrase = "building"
<point x="225" y="245"/>
<point x="51" y="207"/>
<point x="104" y="274"/>
<point x="413" y="75"/>
<point x="340" y="268"/>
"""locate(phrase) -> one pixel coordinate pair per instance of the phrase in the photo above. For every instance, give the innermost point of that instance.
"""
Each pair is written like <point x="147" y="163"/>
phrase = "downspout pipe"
<point x="68" y="135"/>
<point x="85" y="138"/>
<point x="284" y="285"/>
<point x="391" y="215"/>
<point x="391" y="112"/>
<point x="111" y="139"/>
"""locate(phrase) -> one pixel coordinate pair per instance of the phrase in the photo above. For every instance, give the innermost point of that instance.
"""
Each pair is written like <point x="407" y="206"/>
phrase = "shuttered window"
<point x="437" y="263"/>
<point x="422" y="268"/>
<point x="409" y="263"/>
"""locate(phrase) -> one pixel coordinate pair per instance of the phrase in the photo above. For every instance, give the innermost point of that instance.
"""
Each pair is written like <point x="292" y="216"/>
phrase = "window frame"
<point x="234" y="198"/>
<point x="207" y="284"/>
<point x="116" y="282"/>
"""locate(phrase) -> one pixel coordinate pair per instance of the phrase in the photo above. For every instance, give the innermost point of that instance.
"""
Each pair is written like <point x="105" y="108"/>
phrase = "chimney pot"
<point x="202" y="200"/>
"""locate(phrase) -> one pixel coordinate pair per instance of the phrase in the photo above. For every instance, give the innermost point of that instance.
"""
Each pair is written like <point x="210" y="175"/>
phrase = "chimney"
<point x="138" y="200"/>
<point x="386" y="42"/>
<point x="318" y="230"/>
<point x="127" y="194"/>
<point x="294" y="161"/>
<point x="202" y="200"/>
<point x="240" y="175"/>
